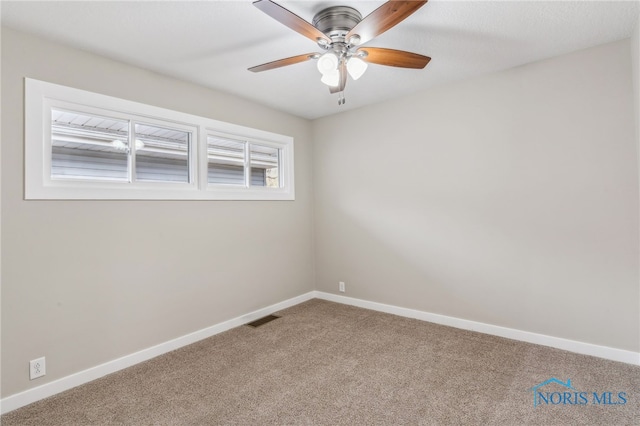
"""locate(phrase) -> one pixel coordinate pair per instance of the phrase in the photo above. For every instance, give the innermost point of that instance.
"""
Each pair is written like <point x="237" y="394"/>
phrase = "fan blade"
<point x="283" y="62"/>
<point x="291" y="20"/>
<point x="383" y="18"/>
<point x="343" y="79"/>
<point x="394" y="58"/>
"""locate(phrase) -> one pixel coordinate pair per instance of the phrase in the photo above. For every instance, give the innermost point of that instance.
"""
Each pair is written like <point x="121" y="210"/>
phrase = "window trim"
<point x="41" y="96"/>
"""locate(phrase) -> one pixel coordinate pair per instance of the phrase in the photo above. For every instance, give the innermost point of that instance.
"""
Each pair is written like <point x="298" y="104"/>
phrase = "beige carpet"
<point x="329" y="364"/>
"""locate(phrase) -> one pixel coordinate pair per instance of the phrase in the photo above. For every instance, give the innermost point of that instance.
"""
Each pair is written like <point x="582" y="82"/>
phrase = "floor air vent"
<point x="262" y="321"/>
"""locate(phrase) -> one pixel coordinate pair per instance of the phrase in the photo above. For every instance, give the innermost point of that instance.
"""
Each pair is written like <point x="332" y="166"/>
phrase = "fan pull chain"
<point x="341" y="99"/>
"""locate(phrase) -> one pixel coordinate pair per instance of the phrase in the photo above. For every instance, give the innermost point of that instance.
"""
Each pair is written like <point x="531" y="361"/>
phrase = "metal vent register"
<point x="262" y="321"/>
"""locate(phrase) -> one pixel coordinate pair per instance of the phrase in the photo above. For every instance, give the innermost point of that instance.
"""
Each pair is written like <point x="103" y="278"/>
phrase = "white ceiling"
<point x="213" y="43"/>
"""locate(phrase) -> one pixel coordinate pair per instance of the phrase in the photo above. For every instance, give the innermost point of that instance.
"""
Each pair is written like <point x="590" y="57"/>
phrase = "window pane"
<point x="162" y="154"/>
<point x="85" y="146"/>
<point x="264" y="166"/>
<point x="258" y="177"/>
<point x="225" y="161"/>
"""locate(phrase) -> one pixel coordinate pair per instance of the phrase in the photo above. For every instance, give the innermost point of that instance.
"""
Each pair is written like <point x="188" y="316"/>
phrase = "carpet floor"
<point x="324" y="363"/>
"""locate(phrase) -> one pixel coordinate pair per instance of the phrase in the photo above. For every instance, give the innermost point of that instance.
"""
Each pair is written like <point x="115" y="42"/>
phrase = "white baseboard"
<point x="29" y="396"/>
<point x="21" y="399"/>
<point x="613" y="354"/>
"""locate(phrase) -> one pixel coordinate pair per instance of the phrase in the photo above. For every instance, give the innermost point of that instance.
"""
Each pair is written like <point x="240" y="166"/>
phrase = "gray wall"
<point x="635" y="71"/>
<point x="509" y="199"/>
<point x="86" y="282"/>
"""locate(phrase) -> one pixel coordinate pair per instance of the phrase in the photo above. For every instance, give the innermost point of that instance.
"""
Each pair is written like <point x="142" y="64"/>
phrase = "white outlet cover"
<point x="37" y="368"/>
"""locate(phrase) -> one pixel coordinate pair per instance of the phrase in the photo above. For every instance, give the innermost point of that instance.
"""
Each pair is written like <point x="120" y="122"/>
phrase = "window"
<point x="264" y="165"/>
<point x="162" y="154"/>
<point x="90" y="147"/>
<point x="226" y="159"/>
<point x="232" y="162"/>
<point x="82" y="145"/>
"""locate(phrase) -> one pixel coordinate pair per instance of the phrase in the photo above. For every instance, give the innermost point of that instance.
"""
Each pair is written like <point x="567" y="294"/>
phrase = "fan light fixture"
<point x="340" y="31"/>
<point x="331" y="79"/>
<point x="356" y="67"/>
<point x="328" y="65"/>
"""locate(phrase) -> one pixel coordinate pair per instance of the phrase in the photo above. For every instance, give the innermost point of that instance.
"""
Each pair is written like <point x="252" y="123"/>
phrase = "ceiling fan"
<point x="339" y="30"/>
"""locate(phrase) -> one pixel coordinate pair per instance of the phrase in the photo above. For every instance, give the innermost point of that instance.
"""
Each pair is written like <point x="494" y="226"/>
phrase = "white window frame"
<point x="41" y="96"/>
<point x="285" y="157"/>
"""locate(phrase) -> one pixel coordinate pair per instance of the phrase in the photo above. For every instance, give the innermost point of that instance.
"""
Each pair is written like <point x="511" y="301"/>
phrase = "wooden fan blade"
<point x="383" y="18"/>
<point x="282" y="62"/>
<point x="394" y="58"/>
<point x="343" y="80"/>
<point x="291" y="20"/>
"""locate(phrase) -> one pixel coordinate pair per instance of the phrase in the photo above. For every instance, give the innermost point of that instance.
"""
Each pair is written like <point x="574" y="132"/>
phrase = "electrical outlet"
<point x="341" y="287"/>
<point x="37" y="368"/>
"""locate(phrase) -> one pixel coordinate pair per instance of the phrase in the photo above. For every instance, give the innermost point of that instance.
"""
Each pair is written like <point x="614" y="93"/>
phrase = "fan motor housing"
<point x="336" y="21"/>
